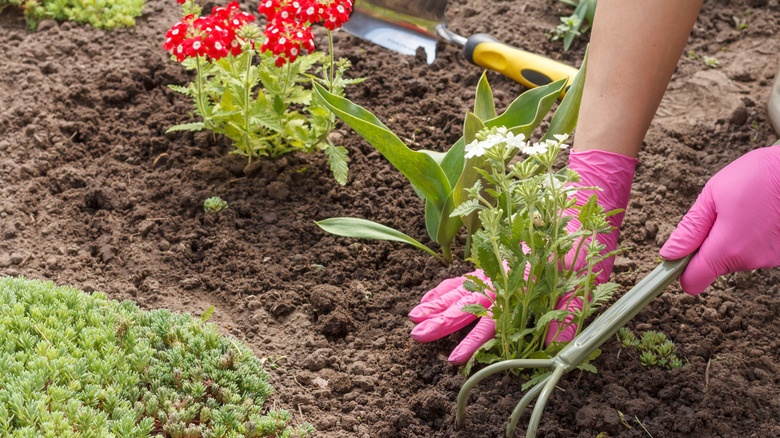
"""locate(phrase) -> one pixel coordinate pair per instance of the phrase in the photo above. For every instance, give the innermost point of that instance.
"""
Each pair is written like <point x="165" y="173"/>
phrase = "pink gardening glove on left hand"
<point x="439" y="312"/>
<point x="735" y="222"/>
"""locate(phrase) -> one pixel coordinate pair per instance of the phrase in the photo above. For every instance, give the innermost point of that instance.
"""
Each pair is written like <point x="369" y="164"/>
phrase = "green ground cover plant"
<point x="79" y="365"/>
<point x="252" y="84"/>
<point x="214" y="205"/>
<point x="102" y="14"/>
<point x="653" y="347"/>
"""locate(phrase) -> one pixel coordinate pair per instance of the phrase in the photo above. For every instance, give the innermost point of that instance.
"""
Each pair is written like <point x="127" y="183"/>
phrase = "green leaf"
<point x="180" y="89"/>
<point x="475" y="309"/>
<point x="453" y="161"/>
<point x="586" y="366"/>
<point x="484" y="106"/>
<point x="337" y="158"/>
<point x="448" y="225"/>
<point x="526" y="112"/>
<point x="471" y="126"/>
<point x="195" y="126"/>
<point x="365" y="229"/>
<point x="418" y="167"/>
<point x="535" y="379"/>
<point x="432" y="219"/>
<point x="466" y="208"/>
<point x="565" y="117"/>
<point x="545" y="319"/>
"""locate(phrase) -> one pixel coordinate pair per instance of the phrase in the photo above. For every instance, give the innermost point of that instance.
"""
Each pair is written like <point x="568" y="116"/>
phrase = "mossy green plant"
<point x="79" y="365"/>
<point x="653" y="347"/>
<point x="102" y="14"/>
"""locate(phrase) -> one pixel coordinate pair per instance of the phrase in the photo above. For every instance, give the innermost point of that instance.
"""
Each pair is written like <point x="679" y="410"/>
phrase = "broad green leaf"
<point x="530" y="108"/>
<point x="418" y="167"/>
<point x="432" y="219"/>
<point x="438" y="157"/>
<point x="365" y="229"/>
<point x="565" y="118"/>
<point x="453" y="161"/>
<point x="195" y="126"/>
<point x="337" y="158"/>
<point x="484" y="106"/>
<point x="448" y="225"/>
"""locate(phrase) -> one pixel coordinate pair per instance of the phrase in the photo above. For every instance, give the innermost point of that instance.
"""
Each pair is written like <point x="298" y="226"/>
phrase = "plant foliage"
<point x="575" y="24"/>
<point x="442" y="179"/>
<point x="80" y="365"/>
<point x="653" y="347"/>
<point x="103" y="14"/>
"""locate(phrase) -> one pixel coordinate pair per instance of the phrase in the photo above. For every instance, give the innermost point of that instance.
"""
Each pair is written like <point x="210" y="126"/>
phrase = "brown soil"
<point x="94" y="194"/>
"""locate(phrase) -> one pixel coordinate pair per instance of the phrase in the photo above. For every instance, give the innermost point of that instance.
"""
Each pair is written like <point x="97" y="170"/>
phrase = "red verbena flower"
<point x="337" y="13"/>
<point x="213" y="36"/>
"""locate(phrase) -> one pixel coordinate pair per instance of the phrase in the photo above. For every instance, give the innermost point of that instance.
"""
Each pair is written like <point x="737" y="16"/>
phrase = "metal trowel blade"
<point x="391" y="36"/>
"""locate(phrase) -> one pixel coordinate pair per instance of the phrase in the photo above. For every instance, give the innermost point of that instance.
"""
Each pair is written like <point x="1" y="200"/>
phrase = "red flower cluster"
<point x="213" y="36"/>
<point x="289" y="24"/>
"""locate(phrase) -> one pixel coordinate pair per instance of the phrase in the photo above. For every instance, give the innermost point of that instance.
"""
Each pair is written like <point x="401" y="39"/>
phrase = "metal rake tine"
<point x="536" y="416"/>
<point x="522" y="404"/>
<point x="488" y="371"/>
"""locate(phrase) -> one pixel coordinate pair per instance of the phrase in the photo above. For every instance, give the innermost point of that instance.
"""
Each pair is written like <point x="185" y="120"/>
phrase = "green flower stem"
<point x="199" y="85"/>
<point x="585" y="296"/>
<point x="247" y="96"/>
<point x="330" y="69"/>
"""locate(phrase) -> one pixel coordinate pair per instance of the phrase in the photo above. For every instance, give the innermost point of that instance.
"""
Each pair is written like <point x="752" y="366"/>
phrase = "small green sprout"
<point x="214" y="205"/>
<point x="711" y="62"/>
<point x="653" y="347"/>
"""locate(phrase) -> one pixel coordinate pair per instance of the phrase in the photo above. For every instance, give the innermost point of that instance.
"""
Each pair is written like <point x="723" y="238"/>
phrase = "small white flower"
<point x="475" y="149"/>
<point x="561" y="137"/>
<point x="535" y="149"/>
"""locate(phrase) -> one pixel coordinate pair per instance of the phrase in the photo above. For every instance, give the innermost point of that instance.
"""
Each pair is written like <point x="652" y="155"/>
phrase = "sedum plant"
<point x="80" y="365"/>
<point x="249" y="83"/>
<point x="653" y="347"/>
<point x="214" y="205"/>
<point x="102" y="14"/>
<point x="523" y="240"/>
<point x="441" y="180"/>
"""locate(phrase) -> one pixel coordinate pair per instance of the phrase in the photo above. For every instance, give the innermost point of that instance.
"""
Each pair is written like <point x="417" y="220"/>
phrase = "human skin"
<point x="634" y="49"/>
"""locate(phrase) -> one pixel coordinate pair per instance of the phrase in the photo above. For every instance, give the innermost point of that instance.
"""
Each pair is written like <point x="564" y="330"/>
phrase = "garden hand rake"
<point x="579" y="349"/>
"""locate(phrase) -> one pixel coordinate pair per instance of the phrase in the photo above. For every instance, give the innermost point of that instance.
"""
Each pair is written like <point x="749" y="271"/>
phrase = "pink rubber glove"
<point x="439" y="312"/>
<point x="735" y="222"/>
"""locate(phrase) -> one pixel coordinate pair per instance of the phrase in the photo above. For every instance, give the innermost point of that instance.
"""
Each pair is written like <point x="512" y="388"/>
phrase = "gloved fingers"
<point x="715" y="254"/>
<point x="450" y="320"/>
<point x="429" y="308"/>
<point x="694" y="227"/>
<point x="568" y="302"/>
<point x="484" y="331"/>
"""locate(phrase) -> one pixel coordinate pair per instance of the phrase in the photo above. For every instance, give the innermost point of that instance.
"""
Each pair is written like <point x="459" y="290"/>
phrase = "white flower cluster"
<point x="477" y="148"/>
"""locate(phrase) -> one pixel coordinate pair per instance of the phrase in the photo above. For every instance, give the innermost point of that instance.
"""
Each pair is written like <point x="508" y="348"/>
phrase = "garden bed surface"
<point x="95" y="195"/>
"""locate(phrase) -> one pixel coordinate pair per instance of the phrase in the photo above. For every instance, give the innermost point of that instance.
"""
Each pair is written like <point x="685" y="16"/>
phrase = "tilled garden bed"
<point x="95" y="194"/>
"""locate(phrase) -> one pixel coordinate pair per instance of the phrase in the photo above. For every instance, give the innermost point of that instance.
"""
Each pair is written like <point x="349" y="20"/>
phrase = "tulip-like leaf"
<point x="565" y="117"/>
<point x="418" y="167"/>
<point x="471" y="126"/>
<point x="365" y="229"/>
<point x="484" y="107"/>
<point x="526" y="112"/>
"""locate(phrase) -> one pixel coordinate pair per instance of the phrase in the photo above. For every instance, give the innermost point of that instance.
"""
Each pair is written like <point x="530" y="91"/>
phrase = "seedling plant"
<point x="442" y="179"/>
<point x="525" y="211"/>
<point x="263" y="107"/>
<point x="214" y="205"/>
<point x="575" y="24"/>
<point x="653" y="347"/>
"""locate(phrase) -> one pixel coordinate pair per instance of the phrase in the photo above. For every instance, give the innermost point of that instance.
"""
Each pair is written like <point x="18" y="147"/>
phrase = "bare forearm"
<point x="634" y="49"/>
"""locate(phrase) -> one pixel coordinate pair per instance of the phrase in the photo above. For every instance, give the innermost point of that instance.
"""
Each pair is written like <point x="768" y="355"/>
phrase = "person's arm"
<point x="634" y="49"/>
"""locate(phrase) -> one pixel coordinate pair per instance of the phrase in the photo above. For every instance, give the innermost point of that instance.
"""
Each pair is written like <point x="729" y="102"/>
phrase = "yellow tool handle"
<point x="527" y="68"/>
